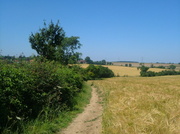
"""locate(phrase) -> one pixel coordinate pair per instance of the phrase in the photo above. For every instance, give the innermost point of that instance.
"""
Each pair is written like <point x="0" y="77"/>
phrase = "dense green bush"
<point x="80" y="70"/>
<point x="163" y="67"/>
<point x="173" y="67"/>
<point x="14" y="87"/>
<point x="145" y="73"/>
<point x="143" y="68"/>
<point x="71" y="85"/>
<point x="97" y="72"/>
<point x="28" y="88"/>
<point x="168" y="72"/>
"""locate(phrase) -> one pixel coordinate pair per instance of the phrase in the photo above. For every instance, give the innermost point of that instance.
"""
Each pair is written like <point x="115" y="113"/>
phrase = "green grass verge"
<point x="56" y="124"/>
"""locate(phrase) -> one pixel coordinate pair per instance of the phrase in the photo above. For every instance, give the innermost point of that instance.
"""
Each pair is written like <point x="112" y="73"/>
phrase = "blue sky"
<point x="114" y="30"/>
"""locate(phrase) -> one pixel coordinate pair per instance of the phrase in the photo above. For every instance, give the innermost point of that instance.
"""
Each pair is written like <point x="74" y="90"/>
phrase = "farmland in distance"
<point x="137" y="64"/>
<point x="125" y="71"/>
<point x="140" y="105"/>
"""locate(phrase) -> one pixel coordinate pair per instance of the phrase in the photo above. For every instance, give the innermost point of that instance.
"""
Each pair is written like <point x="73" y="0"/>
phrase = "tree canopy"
<point x="88" y="60"/>
<point x="51" y="43"/>
<point x="173" y="67"/>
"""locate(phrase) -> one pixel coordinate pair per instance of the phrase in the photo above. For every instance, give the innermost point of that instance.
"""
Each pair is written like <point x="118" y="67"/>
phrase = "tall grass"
<point x="51" y="123"/>
<point x="136" y="105"/>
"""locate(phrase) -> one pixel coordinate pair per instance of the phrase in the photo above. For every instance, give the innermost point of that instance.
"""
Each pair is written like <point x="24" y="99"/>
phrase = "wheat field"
<point x="138" y="105"/>
<point x="124" y="71"/>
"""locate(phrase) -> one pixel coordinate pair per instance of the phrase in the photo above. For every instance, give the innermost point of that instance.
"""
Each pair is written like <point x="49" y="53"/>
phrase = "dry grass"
<point x="84" y="65"/>
<point x="138" y="105"/>
<point x="124" y="71"/>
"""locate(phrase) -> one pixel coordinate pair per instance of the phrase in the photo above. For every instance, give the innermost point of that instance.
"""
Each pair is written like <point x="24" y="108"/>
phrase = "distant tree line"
<point x="20" y="58"/>
<point x="163" y="67"/>
<point x="102" y="62"/>
<point x="128" y="65"/>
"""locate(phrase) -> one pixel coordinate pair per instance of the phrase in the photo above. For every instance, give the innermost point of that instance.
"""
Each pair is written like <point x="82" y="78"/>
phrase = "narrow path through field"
<point x="88" y="122"/>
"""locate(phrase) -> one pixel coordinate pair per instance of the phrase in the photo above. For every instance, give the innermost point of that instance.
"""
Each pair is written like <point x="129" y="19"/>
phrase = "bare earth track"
<point x="88" y="122"/>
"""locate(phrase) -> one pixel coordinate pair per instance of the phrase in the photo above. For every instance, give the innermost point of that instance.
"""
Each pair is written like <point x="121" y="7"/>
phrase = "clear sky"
<point x="114" y="30"/>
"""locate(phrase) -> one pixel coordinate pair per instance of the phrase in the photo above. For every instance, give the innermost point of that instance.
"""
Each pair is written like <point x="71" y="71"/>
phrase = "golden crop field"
<point x="125" y="71"/>
<point x="141" y="105"/>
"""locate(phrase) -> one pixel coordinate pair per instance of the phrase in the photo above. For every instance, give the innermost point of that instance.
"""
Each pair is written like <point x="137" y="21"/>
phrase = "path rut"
<point x="89" y="121"/>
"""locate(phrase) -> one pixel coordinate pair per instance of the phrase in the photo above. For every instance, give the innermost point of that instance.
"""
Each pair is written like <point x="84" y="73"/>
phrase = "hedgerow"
<point x="145" y="73"/>
<point x="28" y="88"/>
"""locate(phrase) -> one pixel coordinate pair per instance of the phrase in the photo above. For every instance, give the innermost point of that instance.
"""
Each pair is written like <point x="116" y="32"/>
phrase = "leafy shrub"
<point x="80" y="71"/>
<point x="163" y="67"/>
<point x="148" y="74"/>
<point x="27" y="89"/>
<point x="172" y="67"/>
<point x="14" y="85"/>
<point x="143" y="68"/>
<point x="168" y="72"/>
<point x="145" y="73"/>
<point x="71" y="85"/>
<point x="97" y="72"/>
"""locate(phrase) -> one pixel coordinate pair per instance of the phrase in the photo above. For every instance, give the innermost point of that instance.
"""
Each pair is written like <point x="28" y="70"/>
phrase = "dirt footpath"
<point x="88" y="122"/>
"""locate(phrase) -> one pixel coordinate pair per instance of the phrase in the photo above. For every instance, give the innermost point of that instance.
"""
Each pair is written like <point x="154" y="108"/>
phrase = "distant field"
<point x="84" y="65"/>
<point x="141" y="105"/>
<point x="125" y="71"/>
<point x="146" y="64"/>
<point x="129" y="71"/>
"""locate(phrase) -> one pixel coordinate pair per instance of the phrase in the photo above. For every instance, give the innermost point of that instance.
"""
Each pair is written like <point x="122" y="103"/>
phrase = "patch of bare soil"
<point x="89" y="121"/>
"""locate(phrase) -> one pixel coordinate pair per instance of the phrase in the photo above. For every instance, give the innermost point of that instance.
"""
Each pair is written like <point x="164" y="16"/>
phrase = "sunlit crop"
<point x="141" y="105"/>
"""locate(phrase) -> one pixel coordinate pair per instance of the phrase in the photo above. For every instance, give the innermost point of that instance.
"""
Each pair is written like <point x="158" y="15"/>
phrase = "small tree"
<point x="173" y="67"/>
<point x="51" y="43"/>
<point x="88" y="60"/>
<point x="152" y="66"/>
<point x="103" y="62"/>
<point x="74" y="58"/>
<point x="130" y="65"/>
<point x="143" y="69"/>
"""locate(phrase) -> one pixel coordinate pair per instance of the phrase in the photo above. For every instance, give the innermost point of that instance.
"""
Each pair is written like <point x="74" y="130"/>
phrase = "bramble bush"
<point x="97" y="72"/>
<point x="14" y="84"/>
<point x="28" y="88"/>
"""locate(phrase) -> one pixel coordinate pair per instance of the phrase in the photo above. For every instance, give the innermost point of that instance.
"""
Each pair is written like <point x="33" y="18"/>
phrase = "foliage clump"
<point x="51" y="43"/>
<point x="27" y="89"/>
<point x="145" y="73"/>
<point x="97" y="72"/>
